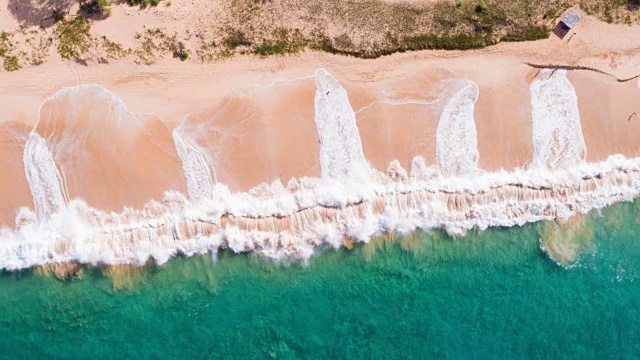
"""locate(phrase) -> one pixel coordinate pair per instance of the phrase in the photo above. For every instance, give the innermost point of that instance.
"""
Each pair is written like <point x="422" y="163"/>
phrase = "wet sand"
<point x="14" y="189"/>
<point x="607" y="109"/>
<point x="259" y="134"/>
<point x="106" y="155"/>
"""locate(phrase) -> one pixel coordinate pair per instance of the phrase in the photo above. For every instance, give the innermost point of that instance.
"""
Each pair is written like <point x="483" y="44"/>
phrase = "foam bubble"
<point x="556" y="130"/>
<point x="197" y="173"/>
<point x="456" y="136"/>
<point x="44" y="178"/>
<point x="290" y="224"/>
<point x="340" y="145"/>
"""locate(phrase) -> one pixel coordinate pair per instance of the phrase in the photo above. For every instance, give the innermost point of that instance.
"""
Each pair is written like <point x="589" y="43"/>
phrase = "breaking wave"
<point x="456" y="137"/>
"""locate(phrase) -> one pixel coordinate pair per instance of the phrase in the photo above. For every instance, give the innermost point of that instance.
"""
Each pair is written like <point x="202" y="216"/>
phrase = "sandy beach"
<point x="254" y="117"/>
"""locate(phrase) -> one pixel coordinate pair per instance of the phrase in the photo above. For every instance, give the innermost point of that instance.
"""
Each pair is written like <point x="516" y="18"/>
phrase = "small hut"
<point x="568" y="22"/>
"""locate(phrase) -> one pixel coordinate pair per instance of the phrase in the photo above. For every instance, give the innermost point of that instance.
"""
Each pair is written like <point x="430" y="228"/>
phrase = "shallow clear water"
<point x="489" y="295"/>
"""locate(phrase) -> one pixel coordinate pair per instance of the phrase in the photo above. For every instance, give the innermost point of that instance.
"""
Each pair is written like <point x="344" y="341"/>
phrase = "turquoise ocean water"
<point x="493" y="294"/>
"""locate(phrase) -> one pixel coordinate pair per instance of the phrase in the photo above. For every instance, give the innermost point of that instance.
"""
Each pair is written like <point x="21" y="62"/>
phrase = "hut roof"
<point x="571" y="18"/>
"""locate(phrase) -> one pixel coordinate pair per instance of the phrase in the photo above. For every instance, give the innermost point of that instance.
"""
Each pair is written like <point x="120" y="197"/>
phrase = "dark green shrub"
<point x="528" y="33"/>
<point x="11" y="63"/>
<point x="74" y="37"/>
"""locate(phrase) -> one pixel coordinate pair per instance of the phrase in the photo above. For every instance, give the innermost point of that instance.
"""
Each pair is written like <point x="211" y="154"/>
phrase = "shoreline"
<point x="315" y="214"/>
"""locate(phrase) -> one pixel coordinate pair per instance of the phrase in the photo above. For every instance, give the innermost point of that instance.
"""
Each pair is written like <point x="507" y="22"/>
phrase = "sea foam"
<point x="199" y="176"/>
<point x="44" y="179"/>
<point x="456" y="136"/>
<point x="340" y="145"/>
<point x="556" y="130"/>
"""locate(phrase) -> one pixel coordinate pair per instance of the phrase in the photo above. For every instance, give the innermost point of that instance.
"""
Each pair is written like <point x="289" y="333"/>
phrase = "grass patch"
<point x="362" y="28"/>
<point x="283" y="42"/>
<point x="529" y="33"/>
<point x="236" y="38"/>
<point x="113" y="49"/>
<point x="154" y="42"/>
<point x="92" y="7"/>
<point x="74" y="38"/>
<point x="5" y="43"/>
<point x="145" y="3"/>
<point x="447" y="42"/>
<point x="268" y="48"/>
<point x="11" y="63"/>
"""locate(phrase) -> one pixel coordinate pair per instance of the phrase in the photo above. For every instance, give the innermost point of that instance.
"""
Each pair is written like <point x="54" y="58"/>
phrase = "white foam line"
<point x="396" y="103"/>
<point x="273" y="83"/>
<point x="318" y="213"/>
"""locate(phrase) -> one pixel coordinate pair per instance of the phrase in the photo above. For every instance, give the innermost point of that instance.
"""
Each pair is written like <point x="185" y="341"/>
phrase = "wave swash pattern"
<point x="557" y="135"/>
<point x="456" y="137"/>
<point x="350" y="202"/>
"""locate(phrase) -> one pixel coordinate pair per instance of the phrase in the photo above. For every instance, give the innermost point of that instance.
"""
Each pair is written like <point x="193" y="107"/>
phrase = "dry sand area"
<point x="255" y="118"/>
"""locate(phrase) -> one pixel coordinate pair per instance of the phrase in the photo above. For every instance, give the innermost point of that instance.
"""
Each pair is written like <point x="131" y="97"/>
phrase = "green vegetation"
<point x="268" y="48"/>
<point x="95" y="6"/>
<point x="145" y="3"/>
<point x="11" y="63"/>
<point x="481" y="7"/>
<point x="113" y="49"/>
<point x="528" y="33"/>
<point x="371" y="28"/>
<point x="460" y="42"/>
<point x="74" y="38"/>
<point x="36" y="44"/>
<point x="363" y="28"/>
<point x="5" y="43"/>
<point x="154" y="42"/>
<point x="283" y="42"/>
<point x="613" y="11"/>
<point x="236" y="38"/>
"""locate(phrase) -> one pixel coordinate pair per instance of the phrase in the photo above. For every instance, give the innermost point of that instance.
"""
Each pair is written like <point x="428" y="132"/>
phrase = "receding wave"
<point x="340" y="145"/>
<point x="557" y="134"/>
<point x="456" y="137"/>
<point x="199" y="176"/>
<point x="88" y="145"/>
<point x="45" y="181"/>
